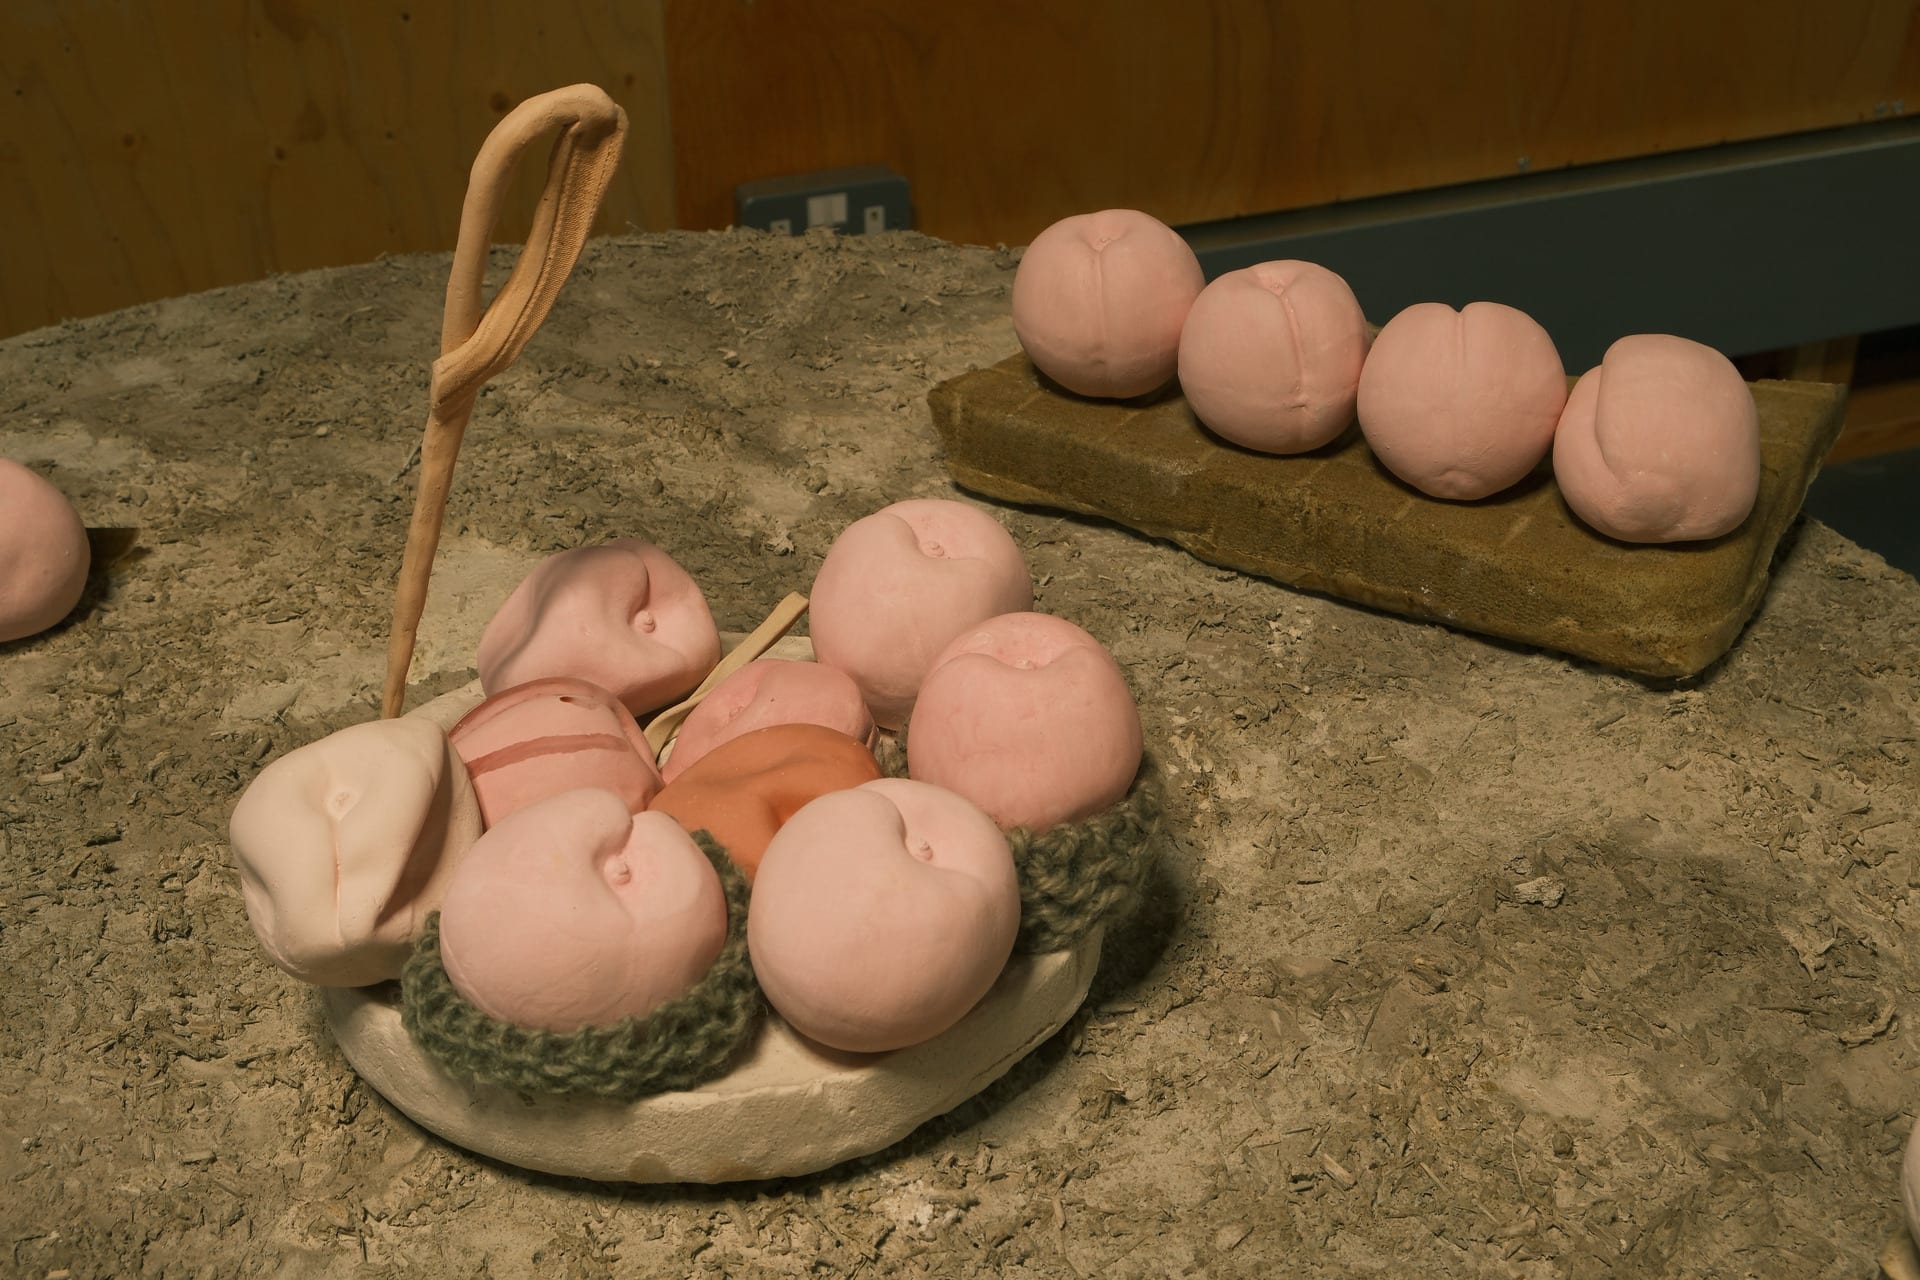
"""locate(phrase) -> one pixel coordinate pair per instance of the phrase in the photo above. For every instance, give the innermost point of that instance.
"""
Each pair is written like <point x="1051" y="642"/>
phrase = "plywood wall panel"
<point x="1006" y="114"/>
<point x="154" y="149"/>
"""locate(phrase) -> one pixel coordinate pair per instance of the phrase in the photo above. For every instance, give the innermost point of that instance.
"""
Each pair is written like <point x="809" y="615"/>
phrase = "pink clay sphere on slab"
<point x="768" y="692"/>
<point x="744" y="790"/>
<point x="538" y="739"/>
<point x="1030" y="718"/>
<point x="882" y="914"/>
<point x="43" y="553"/>
<point x="1461" y="404"/>
<point x="1270" y="356"/>
<point x="1099" y="298"/>
<point x="576" y="913"/>
<point x="346" y="845"/>
<point x="622" y="615"/>
<point x="900" y="584"/>
<point x="1661" y="443"/>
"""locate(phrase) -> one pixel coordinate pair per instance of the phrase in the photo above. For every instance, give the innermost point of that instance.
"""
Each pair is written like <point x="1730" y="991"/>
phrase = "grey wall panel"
<point x="1745" y="247"/>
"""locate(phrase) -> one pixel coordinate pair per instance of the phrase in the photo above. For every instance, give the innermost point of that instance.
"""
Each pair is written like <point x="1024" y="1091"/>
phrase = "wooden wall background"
<point x="150" y="148"/>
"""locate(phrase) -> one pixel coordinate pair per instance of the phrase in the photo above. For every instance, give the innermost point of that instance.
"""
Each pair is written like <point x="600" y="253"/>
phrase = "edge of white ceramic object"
<point x="791" y="1107"/>
<point x="1910" y="1187"/>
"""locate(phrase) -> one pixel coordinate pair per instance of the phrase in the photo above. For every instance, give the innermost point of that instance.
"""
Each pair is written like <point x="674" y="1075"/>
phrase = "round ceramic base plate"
<point x="790" y="1107"/>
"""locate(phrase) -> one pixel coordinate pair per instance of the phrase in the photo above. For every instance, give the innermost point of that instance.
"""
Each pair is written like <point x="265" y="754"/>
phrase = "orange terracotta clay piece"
<point x="538" y="739"/>
<point x="743" y="791"/>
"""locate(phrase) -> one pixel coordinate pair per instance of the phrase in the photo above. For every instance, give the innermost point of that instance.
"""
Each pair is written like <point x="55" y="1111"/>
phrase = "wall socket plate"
<point x="858" y="201"/>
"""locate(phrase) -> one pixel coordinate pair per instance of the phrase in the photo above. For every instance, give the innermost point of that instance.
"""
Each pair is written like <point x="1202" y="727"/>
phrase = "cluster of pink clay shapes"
<point x="1659" y="443"/>
<point x="882" y="910"/>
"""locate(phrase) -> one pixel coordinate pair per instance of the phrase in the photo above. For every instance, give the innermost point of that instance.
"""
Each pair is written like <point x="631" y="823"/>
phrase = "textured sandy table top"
<point x="1467" y="959"/>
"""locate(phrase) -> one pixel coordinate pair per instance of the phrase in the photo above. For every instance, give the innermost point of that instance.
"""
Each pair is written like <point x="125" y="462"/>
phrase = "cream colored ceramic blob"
<point x="1461" y="404"/>
<point x="1030" y="718"/>
<point x="43" y="553"/>
<point x="538" y="739"/>
<point x="1270" y="356"/>
<point x="622" y="615"/>
<point x="1661" y="443"/>
<point x="574" y="912"/>
<point x="768" y="692"/>
<point x="899" y="585"/>
<point x="346" y="845"/>
<point x="1099" y="299"/>
<point x="882" y="914"/>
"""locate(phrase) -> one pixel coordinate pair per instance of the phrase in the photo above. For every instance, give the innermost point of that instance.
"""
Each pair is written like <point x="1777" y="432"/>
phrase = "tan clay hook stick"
<point x="661" y="728"/>
<point x="475" y="347"/>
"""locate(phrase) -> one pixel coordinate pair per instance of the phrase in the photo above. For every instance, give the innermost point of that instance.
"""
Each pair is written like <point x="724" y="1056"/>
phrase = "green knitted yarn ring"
<point x="1078" y="876"/>
<point x="1086" y="875"/>
<point x="690" y="1039"/>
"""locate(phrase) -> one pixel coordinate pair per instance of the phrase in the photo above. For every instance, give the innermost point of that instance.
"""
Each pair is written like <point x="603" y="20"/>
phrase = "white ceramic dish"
<point x="790" y="1107"/>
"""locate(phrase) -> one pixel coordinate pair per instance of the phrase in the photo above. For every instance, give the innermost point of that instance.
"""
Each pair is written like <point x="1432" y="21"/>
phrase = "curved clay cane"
<point x="475" y="347"/>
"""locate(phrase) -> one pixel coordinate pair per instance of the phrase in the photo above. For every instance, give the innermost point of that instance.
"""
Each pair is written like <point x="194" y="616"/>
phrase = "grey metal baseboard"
<point x="1746" y="247"/>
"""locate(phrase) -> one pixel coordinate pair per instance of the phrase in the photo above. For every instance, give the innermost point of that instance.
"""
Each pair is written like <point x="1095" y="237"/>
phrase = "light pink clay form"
<point x="882" y="914"/>
<point x="1099" y="299"/>
<point x="1661" y="443"/>
<point x="1029" y="717"/>
<point x="622" y="615"/>
<point x="575" y="913"/>
<point x="346" y="845"/>
<point x="538" y="739"/>
<point x="1461" y="404"/>
<point x="1270" y="356"/>
<point x="43" y="553"/>
<point x="899" y="585"/>
<point x="768" y="692"/>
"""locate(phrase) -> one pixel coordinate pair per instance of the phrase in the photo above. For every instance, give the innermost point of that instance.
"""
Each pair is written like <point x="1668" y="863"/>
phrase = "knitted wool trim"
<point x="691" y="1038"/>
<point x="1078" y="876"/>
<point x="1086" y="875"/>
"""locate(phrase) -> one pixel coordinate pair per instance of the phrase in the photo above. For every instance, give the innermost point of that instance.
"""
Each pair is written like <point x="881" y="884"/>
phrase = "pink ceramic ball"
<point x="882" y="914"/>
<point x="623" y="615"/>
<point x="538" y="739"/>
<point x="576" y="913"/>
<point x="1030" y="718"/>
<point x="43" y="553"/>
<point x="768" y="692"/>
<point x="1661" y="443"/>
<point x="1270" y="356"/>
<point x="1461" y="404"/>
<point x="896" y="587"/>
<point x="1099" y="299"/>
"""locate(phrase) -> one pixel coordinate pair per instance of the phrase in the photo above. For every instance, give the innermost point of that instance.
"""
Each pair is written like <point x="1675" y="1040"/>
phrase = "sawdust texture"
<point x="1464" y="959"/>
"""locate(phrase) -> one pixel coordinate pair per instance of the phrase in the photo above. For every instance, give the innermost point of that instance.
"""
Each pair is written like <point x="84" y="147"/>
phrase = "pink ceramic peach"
<point x="622" y="615"/>
<point x="43" y="553"/>
<point x="767" y="692"/>
<point x="1461" y="404"/>
<point x="1661" y="443"/>
<point x="538" y="739"/>
<point x="346" y="845"/>
<point x="575" y="913"/>
<point x="882" y="914"/>
<point x="1030" y="718"/>
<point x="744" y="790"/>
<point x="1270" y="356"/>
<point x="896" y="587"/>
<point x="1099" y="299"/>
